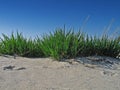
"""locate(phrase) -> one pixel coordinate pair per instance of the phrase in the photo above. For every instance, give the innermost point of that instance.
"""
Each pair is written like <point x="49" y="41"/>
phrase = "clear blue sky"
<point x="35" y="17"/>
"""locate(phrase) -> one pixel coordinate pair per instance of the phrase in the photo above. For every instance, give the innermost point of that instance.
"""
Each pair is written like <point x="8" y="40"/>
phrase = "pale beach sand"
<point x="45" y="74"/>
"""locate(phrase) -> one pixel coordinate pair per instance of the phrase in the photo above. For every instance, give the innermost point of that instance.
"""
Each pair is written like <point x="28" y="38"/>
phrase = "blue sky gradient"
<point x="35" y="17"/>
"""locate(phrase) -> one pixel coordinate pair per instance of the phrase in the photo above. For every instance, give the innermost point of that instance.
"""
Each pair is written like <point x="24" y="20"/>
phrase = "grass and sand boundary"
<point x="100" y="70"/>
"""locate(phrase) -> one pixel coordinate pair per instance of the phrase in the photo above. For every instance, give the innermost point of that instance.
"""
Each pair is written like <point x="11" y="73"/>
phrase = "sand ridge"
<point x="47" y="74"/>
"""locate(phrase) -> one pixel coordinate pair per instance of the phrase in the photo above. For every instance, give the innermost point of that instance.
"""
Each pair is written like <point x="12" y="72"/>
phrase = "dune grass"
<point x="60" y="44"/>
<point x="17" y="44"/>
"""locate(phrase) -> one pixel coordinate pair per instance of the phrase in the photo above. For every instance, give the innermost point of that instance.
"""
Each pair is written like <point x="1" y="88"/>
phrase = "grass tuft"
<point x="60" y="44"/>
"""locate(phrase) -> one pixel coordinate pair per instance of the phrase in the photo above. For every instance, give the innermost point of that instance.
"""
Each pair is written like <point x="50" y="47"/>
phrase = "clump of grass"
<point x="103" y="46"/>
<point x="68" y="44"/>
<point x="60" y="44"/>
<point x="17" y="44"/>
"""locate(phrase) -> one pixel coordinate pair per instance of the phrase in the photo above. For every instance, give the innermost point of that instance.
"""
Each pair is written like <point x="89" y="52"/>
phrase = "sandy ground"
<point x="46" y="74"/>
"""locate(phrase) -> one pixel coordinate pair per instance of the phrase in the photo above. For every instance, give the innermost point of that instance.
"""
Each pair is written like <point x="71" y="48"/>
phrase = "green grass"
<point x="17" y="44"/>
<point x="60" y="44"/>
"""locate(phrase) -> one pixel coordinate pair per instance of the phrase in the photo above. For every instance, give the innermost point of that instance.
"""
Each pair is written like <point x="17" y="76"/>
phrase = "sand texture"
<point x="46" y="74"/>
